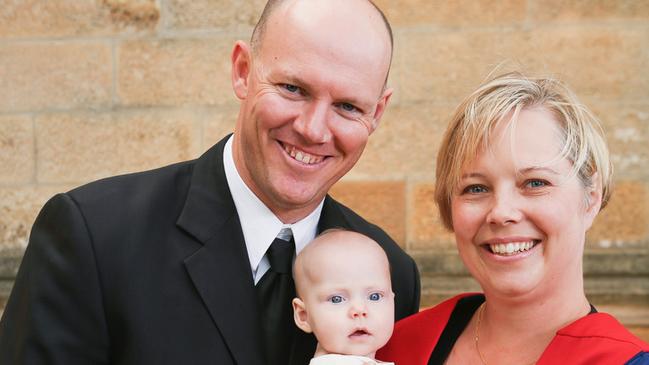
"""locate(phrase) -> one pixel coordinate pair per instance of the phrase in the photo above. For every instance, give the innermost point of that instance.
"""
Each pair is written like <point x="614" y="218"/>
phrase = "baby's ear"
<point x="300" y="315"/>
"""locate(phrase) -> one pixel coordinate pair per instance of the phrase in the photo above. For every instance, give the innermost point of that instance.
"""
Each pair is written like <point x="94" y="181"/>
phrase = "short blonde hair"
<point x="506" y="95"/>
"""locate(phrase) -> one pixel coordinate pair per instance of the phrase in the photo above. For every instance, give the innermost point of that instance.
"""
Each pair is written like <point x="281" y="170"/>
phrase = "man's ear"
<point x="241" y="64"/>
<point x="380" y="108"/>
<point x="300" y="315"/>
<point x="593" y="200"/>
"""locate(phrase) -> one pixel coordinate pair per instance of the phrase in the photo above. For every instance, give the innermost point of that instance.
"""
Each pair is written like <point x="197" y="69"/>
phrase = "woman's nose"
<point x="504" y="210"/>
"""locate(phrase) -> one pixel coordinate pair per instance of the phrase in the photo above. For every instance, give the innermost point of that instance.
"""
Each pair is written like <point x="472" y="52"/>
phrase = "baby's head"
<point x="344" y="293"/>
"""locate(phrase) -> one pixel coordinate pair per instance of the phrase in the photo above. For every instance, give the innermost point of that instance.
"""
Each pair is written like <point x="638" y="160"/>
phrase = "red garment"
<point x="597" y="338"/>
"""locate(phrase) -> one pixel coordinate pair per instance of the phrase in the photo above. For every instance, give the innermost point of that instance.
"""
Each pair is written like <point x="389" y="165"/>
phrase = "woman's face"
<point x="519" y="215"/>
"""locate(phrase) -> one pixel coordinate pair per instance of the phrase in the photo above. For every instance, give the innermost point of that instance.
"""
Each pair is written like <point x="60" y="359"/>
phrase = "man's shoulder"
<point x="132" y="186"/>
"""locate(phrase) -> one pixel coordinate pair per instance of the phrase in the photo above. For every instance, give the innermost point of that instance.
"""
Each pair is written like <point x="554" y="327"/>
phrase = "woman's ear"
<point x="300" y="315"/>
<point x="241" y="63"/>
<point x="593" y="200"/>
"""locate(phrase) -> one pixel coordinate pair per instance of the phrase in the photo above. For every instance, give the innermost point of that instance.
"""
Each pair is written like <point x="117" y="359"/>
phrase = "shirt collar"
<point x="259" y="225"/>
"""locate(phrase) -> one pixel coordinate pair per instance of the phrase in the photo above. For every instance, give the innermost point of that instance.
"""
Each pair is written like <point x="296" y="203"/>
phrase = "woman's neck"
<point x="523" y="327"/>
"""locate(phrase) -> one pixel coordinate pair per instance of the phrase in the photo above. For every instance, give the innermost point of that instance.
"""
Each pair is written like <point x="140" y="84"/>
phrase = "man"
<point x="170" y="266"/>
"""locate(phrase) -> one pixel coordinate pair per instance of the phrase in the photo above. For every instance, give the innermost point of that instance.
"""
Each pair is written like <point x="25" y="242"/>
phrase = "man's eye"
<point x="336" y="299"/>
<point x="375" y="296"/>
<point x="348" y="107"/>
<point x="291" y="88"/>
<point x="474" y="189"/>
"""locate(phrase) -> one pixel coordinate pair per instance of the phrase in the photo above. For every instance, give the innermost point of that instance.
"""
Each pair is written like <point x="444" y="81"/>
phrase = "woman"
<point x="529" y="172"/>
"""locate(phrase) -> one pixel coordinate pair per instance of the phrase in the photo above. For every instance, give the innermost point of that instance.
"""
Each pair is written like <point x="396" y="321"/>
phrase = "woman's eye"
<point x="375" y="297"/>
<point x="475" y="189"/>
<point x="335" y="299"/>
<point x="536" y="183"/>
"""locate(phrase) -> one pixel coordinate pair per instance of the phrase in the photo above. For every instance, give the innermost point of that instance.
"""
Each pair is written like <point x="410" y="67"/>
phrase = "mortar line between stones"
<point x="409" y="214"/>
<point x="114" y="99"/>
<point x="34" y="178"/>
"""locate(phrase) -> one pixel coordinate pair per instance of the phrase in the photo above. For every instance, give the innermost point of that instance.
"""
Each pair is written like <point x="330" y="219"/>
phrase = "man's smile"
<point x="302" y="156"/>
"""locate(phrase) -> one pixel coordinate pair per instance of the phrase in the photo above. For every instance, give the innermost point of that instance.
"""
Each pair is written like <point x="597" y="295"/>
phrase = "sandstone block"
<point x="453" y="13"/>
<point x="379" y="202"/>
<point x="405" y="143"/>
<point x="9" y="262"/>
<point x="616" y="262"/>
<point x="439" y="262"/>
<point x="641" y="332"/>
<point x="16" y="149"/>
<point x="625" y="221"/>
<point x="607" y="63"/>
<point x="571" y="11"/>
<point x="425" y="226"/>
<point x="193" y="14"/>
<point x="55" y="75"/>
<point x="627" y="130"/>
<point x="220" y="122"/>
<point x="5" y="290"/>
<point x="604" y="62"/>
<point x="34" y="18"/>
<point x="18" y="208"/>
<point x="175" y="72"/>
<point x="79" y="147"/>
<point x="447" y="66"/>
<point x="631" y="289"/>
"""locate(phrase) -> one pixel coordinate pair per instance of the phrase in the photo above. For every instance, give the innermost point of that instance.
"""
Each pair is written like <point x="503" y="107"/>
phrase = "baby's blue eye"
<point x="375" y="297"/>
<point x="336" y="299"/>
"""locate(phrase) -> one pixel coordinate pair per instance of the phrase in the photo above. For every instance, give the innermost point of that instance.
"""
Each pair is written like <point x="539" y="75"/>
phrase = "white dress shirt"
<point x="259" y="225"/>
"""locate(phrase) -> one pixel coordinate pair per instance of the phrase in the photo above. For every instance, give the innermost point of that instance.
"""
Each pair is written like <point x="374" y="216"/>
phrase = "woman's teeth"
<point x="511" y="248"/>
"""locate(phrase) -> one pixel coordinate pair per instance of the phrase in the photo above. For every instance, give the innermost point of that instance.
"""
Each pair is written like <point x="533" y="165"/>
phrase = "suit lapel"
<point x="331" y="216"/>
<point x="220" y="270"/>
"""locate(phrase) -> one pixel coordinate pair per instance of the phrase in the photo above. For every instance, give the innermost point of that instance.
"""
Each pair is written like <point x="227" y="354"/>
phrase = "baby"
<point x="345" y="298"/>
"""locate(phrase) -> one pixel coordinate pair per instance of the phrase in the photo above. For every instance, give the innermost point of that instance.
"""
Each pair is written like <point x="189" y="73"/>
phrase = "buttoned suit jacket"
<point x="152" y="268"/>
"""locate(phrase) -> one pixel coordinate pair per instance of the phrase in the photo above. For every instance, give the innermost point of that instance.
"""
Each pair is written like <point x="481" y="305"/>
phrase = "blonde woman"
<point x="522" y="172"/>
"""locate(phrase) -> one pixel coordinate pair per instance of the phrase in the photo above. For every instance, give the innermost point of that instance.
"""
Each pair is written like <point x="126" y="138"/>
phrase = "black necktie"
<point x="275" y="291"/>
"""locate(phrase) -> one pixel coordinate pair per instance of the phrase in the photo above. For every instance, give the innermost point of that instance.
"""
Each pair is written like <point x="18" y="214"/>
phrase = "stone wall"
<point x="94" y="88"/>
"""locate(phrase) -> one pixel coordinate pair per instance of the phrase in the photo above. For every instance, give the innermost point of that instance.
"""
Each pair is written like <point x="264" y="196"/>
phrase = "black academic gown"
<point x="151" y="268"/>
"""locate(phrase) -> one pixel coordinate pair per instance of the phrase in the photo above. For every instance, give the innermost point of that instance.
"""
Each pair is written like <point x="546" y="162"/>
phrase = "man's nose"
<point x="313" y="122"/>
<point x="504" y="209"/>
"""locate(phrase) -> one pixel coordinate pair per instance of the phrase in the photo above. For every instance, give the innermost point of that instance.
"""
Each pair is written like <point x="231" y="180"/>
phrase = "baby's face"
<point x="349" y="301"/>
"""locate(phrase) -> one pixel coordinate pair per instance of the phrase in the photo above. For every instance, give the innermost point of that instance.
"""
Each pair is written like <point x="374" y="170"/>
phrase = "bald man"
<point x="182" y="265"/>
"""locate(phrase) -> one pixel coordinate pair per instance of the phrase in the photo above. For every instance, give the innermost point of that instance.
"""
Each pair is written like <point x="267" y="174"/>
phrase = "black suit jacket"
<point x="151" y="268"/>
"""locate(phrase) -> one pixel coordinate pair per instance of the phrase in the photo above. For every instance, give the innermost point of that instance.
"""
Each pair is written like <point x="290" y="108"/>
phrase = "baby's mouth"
<point x="359" y="333"/>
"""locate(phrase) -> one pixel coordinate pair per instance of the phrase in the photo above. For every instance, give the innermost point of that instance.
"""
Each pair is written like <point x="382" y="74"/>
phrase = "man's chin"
<point x="295" y="203"/>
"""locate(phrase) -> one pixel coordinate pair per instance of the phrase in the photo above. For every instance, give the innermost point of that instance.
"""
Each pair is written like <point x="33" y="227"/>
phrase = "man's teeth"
<point x="511" y="248"/>
<point x="302" y="156"/>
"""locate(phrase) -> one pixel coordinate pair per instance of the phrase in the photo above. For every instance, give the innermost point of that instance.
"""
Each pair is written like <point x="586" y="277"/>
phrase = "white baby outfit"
<point x="335" y="359"/>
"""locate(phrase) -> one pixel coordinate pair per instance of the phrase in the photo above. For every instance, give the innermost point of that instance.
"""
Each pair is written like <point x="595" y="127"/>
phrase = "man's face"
<point x="312" y="96"/>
